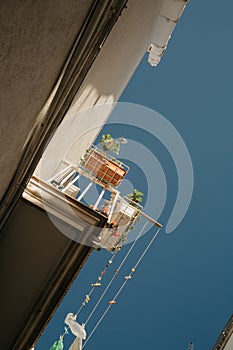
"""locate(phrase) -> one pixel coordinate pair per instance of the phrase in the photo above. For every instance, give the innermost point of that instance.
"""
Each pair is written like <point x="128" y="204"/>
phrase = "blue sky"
<point x="183" y="290"/>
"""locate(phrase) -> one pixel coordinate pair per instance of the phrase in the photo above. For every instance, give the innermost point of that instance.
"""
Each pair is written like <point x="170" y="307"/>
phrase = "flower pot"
<point x="104" y="169"/>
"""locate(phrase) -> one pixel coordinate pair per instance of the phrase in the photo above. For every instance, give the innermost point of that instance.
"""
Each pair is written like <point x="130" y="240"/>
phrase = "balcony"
<point x="105" y="222"/>
<point x="61" y="197"/>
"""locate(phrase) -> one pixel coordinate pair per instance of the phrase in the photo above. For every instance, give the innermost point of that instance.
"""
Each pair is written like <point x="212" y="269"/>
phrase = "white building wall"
<point x="106" y="80"/>
<point x="143" y="22"/>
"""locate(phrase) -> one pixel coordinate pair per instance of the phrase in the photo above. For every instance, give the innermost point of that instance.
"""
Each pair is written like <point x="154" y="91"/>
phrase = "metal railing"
<point x="101" y="164"/>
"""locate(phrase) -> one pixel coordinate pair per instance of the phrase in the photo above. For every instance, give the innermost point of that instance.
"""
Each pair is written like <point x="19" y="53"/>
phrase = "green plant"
<point x="135" y="197"/>
<point x="108" y="143"/>
<point x="117" y="162"/>
<point x="85" y="156"/>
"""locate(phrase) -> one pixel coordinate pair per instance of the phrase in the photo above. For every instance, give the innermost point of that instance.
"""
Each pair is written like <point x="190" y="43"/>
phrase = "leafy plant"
<point x="110" y="144"/>
<point x="85" y="156"/>
<point x="135" y="197"/>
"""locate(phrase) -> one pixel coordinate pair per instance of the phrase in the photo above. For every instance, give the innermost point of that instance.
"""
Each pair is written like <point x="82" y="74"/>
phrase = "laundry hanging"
<point x="76" y="345"/>
<point x="114" y="300"/>
<point x="77" y="329"/>
<point x="58" y="345"/>
<point x="116" y="272"/>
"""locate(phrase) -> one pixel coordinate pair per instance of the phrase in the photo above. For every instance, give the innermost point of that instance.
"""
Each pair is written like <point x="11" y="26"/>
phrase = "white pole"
<point x="60" y="173"/>
<point x="113" y="206"/>
<point x="147" y="217"/>
<point x="71" y="183"/>
<point x="99" y="199"/>
<point x="67" y="177"/>
<point x="85" y="191"/>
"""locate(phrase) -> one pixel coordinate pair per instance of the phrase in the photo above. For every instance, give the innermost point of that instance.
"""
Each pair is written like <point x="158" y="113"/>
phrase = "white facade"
<point x="143" y="22"/>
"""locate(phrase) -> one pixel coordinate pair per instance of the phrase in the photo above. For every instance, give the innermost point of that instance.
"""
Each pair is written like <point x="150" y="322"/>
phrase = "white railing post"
<point x="59" y="174"/>
<point x="99" y="199"/>
<point x="71" y="183"/>
<point x="85" y="191"/>
<point x="113" y="206"/>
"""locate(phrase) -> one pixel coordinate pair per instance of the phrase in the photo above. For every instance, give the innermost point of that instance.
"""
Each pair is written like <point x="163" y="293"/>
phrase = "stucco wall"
<point x="35" y="39"/>
<point x="106" y="80"/>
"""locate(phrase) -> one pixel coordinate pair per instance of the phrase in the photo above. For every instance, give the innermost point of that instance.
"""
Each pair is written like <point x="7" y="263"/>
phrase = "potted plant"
<point x="135" y="197"/>
<point x="97" y="161"/>
<point x="130" y="205"/>
<point x="125" y="215"/>
<point x="108" y="143"/>
<point x="128" y="209"/>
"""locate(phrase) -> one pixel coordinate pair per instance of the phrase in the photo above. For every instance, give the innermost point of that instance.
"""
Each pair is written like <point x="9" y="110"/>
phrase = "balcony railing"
<point x="122" y="213"/>
<point x="100" y="169"/>
<point x="107" y="169"/>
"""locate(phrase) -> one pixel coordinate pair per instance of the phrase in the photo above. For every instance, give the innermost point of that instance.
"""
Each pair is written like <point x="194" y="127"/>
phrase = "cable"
<point x="89" y="294"/>
<point x="123" y="285"/>
<point x="117" y="271"/>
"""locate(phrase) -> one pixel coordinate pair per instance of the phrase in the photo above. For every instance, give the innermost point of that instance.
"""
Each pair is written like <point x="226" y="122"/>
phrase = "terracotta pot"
<point x="104" y="169"/>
